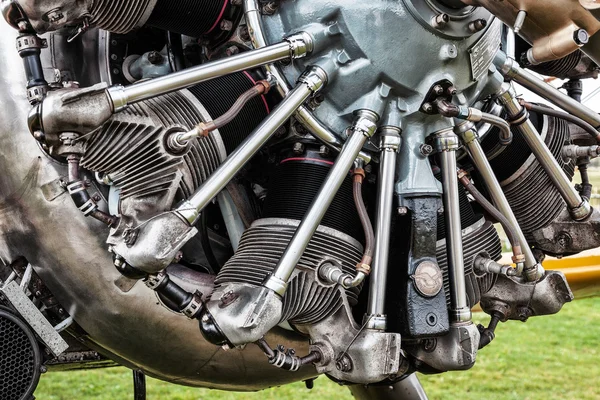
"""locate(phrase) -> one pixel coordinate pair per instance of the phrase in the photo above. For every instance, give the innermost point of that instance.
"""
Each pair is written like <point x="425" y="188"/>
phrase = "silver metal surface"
<point x="121" y="96"/>
<point x="242" y="154"/>
<point x="511" y="69"/>
<point x="460" y="310"/>
<point x="363" y="129"/>
<point x="508" y="98"/>
<point x="231" y="217"/>
<point x="390" y="143"/>
<point x="36" y="320"/>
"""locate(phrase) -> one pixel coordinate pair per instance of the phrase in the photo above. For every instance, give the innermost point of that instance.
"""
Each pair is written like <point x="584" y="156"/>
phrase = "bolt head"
<point x="402" y="210"/>
<point x="426" y="149"/>
<point x="298" y="148"/>
<point x="581" y="37"/>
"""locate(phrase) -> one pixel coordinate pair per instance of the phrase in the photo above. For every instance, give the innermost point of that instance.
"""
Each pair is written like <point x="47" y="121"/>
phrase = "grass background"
<point x="552" y="357"/>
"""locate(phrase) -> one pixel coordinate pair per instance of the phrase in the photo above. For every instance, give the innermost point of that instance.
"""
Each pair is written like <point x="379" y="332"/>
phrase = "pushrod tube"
<point x="511" y="69"/>
<point x="295" y="46"/>
<point x="309" y="83"/>
<point x="447" y="144"/>
<point x="303" y="114"/>
<point x="470" y="138"/>
<point x="578" y="207"/>
<point x="390" y="143"/>
<point x="364" y="128"/>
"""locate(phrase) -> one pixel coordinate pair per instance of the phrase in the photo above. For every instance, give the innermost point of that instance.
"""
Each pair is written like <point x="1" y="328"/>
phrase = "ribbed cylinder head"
<point x="120" y="16"/>
<point x="306" y="301"/>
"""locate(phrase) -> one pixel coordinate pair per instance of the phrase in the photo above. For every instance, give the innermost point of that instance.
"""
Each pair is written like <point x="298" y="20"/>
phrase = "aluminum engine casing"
<point x="386" y="54"/>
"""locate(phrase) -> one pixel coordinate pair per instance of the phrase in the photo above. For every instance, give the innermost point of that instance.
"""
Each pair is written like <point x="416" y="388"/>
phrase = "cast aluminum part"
<point x="470" y="138"/>
<point x="447" y="144"/>
<point x="364" y="127"/>
<point x="512" y="298"/>
<point x="578" y="207"/>
<point x="390" y="143"/>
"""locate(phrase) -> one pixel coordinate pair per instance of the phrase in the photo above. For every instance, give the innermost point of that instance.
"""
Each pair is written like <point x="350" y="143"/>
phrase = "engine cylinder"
<point x="523" y="178"/>
<point x="189" y="17"/>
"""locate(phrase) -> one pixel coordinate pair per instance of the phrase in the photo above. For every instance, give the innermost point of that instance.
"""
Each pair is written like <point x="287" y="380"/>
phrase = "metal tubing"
<point x="390" y="144"/>
<point x="470" y="139"/>
<point x="577" y="206"/>
<point x="363" y="129"/>
<point x="309" y="83"/>
<point x="447" y="146"/>
<point x="511" y="69"/>
<point x="303" y="114"/>
<point x="121" y="96"/>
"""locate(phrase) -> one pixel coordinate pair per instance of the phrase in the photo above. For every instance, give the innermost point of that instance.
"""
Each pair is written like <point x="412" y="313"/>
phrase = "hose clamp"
<point x="155" y="281"/>
<point x="446" y="140"/>
<point x="30" y="41"/>
<point x="315" y="79"/>
<point x="194" y="307"/>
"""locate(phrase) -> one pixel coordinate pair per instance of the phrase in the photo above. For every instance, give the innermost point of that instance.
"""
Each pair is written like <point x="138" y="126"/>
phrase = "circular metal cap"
<point x="428" y="279"/>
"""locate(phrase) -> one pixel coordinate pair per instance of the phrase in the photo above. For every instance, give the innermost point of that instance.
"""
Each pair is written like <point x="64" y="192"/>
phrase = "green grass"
<point x="554" y="357"/>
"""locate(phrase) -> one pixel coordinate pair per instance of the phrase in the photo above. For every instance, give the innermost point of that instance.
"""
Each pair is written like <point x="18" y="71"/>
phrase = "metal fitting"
<point x="275" y="284"/>
<point x="574" y="152"/>
<point x="155" y="281"/>
<point x="484" y="265"/>
<point x="118" y="98"/>
<point x="446" y="140"/>
<point x="315" y="79"/>
<point x="391" y="142"/>
<point x="582" y="211"/>
<point x="301" y="44"/>
<point x="365" y="123"/>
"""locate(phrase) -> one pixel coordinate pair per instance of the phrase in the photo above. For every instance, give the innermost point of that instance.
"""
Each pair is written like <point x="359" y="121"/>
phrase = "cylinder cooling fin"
<point x="306" y="301"/>
<point x="523" y="178"/>
<point x="189" y="17"/>
<point x="20" y="358"/>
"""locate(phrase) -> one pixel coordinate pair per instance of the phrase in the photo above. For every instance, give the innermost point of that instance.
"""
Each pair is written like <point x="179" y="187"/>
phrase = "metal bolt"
<point x="451" y="91"/>
<point x="440" y="21"/>
<point x="402" y="210"/>
<point x="114" y="57"/>
<point x="232" y="50"/>
<point x="226" y="25"/>
<point x="426" y="149"/>
<point x="155" y="57"/>
<point x="563" y="239"/>
<point x="244" y="33"/>
<point x="96" y="197"/>
<point x="524" y="313"/>
<point x="54" y="15"/>
<point x="298" y="148"/>
<point x="270" y="8"/>
<point x="477" y="25"/>
<point x="581" y="37"/>
<point x="324" y="151"/>
<point x="427" y="107"/>
<point x="344" y="364"/>
<point x="438" y="89"/>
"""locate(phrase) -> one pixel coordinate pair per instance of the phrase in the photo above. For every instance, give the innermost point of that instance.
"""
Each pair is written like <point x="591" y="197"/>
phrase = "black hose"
<point x="562" y="115"/>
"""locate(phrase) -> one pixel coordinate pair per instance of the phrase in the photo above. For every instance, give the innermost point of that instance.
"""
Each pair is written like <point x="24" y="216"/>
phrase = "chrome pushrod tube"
<point x="470" y="139"/>
<point x="364" y="127"/>
<point x="303" y="114"/>
<point x="390" y="143"/>
<point x="447" y="144"/>
<point x="511" y="69"/>
<point x="309" y="83"/>
<point x="578" y="207"/>
<point x="295" y="46"/>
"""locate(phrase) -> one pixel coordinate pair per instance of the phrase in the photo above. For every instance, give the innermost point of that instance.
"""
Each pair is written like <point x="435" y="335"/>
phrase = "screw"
<point x="440" y="21"/>
<point x="581" y="37"/>
<point x="298" y="148"/>
<point x="231" y="51"/>
<point x="477" y="25"/>
<point x="114" y="57"/>
<point x="427" y="107"/>
<point x="226" y="25"/>
<point x="426" y="149"/>
<point x="244" y="33"/>
<point x="344" y="364"/>
<point x="438" y="89"/>
<point x="563" y="239"/>
<point x="155" y="57"/>
<point x="96" y="197"/>
<point x="402" y="210"/>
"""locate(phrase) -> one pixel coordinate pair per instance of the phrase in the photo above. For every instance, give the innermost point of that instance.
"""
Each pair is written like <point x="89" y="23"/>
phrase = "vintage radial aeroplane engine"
<point x="206" y="188"/>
